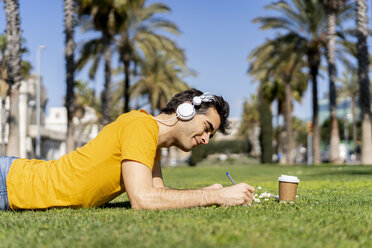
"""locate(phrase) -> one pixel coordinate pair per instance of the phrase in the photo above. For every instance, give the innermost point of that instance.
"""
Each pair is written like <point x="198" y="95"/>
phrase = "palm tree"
<point x="142" y="34"/>
<point x="105" y="16"/>
<point x="304" y="23"/>
<point x="331" y="8"/>
<point x="14" y="76"/>
<point x="70" y="68"/>
<point x="350" y="88"/>
<point x="274" y="91"/>
<point x="291" y="68"/>
<point x="363" y="62"/>
<point x="159" y="80"/>
<point x="277" y="60"/>
<point x="4" y="87"/>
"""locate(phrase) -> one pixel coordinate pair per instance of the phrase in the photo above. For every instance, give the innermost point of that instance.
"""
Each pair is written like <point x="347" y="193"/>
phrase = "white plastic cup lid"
<point x="289" y="179"/>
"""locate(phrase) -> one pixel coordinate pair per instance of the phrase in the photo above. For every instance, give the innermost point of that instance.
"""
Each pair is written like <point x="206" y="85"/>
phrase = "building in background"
<point x="53" y="127"/>
<point x="343" y="109"/>
<point x="235" y="124"/>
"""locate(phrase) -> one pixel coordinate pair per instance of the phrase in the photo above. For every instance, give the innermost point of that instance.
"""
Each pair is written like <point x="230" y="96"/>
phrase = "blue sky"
<point x="217" y="38"/>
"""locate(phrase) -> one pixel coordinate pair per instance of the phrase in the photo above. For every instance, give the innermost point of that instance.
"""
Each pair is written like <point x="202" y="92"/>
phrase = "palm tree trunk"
<point x="13" y="120"/>
<point x="106" y="96"/>
<point x="266" y="132"/>
<point x="288" y="144"/>
<point x="354" y="124"/>
<point x="316" y="131"/>
<point x="152" y="108"/>
<point x="13" y="53"/>
<point x="362" y="54"/>
<point x="278" y="142"/>
<point x="70" y="69"/>
<point x="335" y="137"/>
<point x="313" y="58"/>
<point x="126" y="84"/>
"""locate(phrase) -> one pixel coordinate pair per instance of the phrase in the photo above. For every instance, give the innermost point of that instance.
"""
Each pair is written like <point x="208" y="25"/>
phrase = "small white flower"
<point x="259" y="187"/>
<point x="265" y="194"/>
<point x="255" y="195"/>
<point x="257" y="200"/>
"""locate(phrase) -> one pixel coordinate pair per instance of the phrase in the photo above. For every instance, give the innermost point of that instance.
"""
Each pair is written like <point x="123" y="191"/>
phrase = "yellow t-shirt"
<point x="91" y="175"/>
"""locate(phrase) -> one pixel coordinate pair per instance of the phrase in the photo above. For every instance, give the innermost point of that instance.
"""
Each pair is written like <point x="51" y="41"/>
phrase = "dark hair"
<point x="219" y="104"/>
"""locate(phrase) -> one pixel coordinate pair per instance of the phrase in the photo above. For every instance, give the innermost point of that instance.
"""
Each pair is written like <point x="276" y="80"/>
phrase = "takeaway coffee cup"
<point x="288" y="188"/>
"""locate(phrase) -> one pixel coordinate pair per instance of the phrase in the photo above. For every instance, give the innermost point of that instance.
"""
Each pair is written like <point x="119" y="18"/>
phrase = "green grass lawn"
<point x="333" y="209"/>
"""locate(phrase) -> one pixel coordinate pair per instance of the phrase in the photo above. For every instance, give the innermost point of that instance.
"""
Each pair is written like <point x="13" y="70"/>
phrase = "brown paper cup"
<point x="288" y="188"/>
<point x="287" y="191"/>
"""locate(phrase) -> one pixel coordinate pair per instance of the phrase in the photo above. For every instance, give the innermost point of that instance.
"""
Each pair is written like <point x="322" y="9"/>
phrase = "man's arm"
<point x="139" y="185"/>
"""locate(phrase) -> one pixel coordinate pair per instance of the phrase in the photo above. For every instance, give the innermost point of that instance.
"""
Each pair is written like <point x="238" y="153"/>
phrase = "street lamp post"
<point x="38" y="101"/>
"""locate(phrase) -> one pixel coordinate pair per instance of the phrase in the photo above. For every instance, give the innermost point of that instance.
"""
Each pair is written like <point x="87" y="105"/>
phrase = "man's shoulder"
<point x="136" y="116"/>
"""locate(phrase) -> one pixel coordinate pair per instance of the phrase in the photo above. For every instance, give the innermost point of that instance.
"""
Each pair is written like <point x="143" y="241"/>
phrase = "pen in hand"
<point x="232" y="180"/>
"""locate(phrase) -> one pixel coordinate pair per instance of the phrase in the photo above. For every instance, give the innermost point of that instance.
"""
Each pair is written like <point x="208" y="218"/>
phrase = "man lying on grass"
<point x="124" y="157"/>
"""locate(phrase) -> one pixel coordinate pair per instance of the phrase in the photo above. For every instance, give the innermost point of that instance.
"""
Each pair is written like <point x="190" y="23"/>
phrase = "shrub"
<point x="224" y="146"/>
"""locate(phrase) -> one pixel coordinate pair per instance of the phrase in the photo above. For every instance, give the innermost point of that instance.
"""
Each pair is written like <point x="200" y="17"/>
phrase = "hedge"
<point x="224" y="146"/>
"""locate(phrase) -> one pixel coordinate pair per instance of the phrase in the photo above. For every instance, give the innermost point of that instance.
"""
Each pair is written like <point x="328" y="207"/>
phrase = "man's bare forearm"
<point x="165" y="198"/>
<point x="148" y="192"/>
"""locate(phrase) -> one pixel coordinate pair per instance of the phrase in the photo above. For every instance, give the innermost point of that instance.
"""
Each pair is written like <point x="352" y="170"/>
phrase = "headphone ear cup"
<point x="185" y="111"/>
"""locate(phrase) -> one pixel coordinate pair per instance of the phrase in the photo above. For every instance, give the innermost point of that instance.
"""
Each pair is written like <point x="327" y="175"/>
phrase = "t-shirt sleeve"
<point x="139" y="141"/>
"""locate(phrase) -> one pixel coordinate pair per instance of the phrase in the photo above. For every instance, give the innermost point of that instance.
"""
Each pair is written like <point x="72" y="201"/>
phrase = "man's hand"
<point x="238" y="194"/>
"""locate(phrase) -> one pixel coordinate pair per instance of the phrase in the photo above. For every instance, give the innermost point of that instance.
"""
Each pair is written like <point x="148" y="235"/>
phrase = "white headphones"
<point x="186" y="111"/>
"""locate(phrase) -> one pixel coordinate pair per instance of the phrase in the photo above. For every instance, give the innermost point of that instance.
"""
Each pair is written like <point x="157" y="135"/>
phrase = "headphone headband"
<point x="186" y="111"/>
<point x="206" y="97"/>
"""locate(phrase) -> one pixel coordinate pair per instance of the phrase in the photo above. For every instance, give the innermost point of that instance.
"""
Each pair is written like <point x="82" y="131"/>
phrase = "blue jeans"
<point x="5" y="163"/>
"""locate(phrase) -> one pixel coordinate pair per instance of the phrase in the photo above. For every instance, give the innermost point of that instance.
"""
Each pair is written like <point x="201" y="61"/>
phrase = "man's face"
<point x="198" y="130"/>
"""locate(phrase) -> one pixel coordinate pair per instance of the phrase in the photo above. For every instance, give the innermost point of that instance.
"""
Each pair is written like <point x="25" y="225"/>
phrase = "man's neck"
<point x="167" y="126"/>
